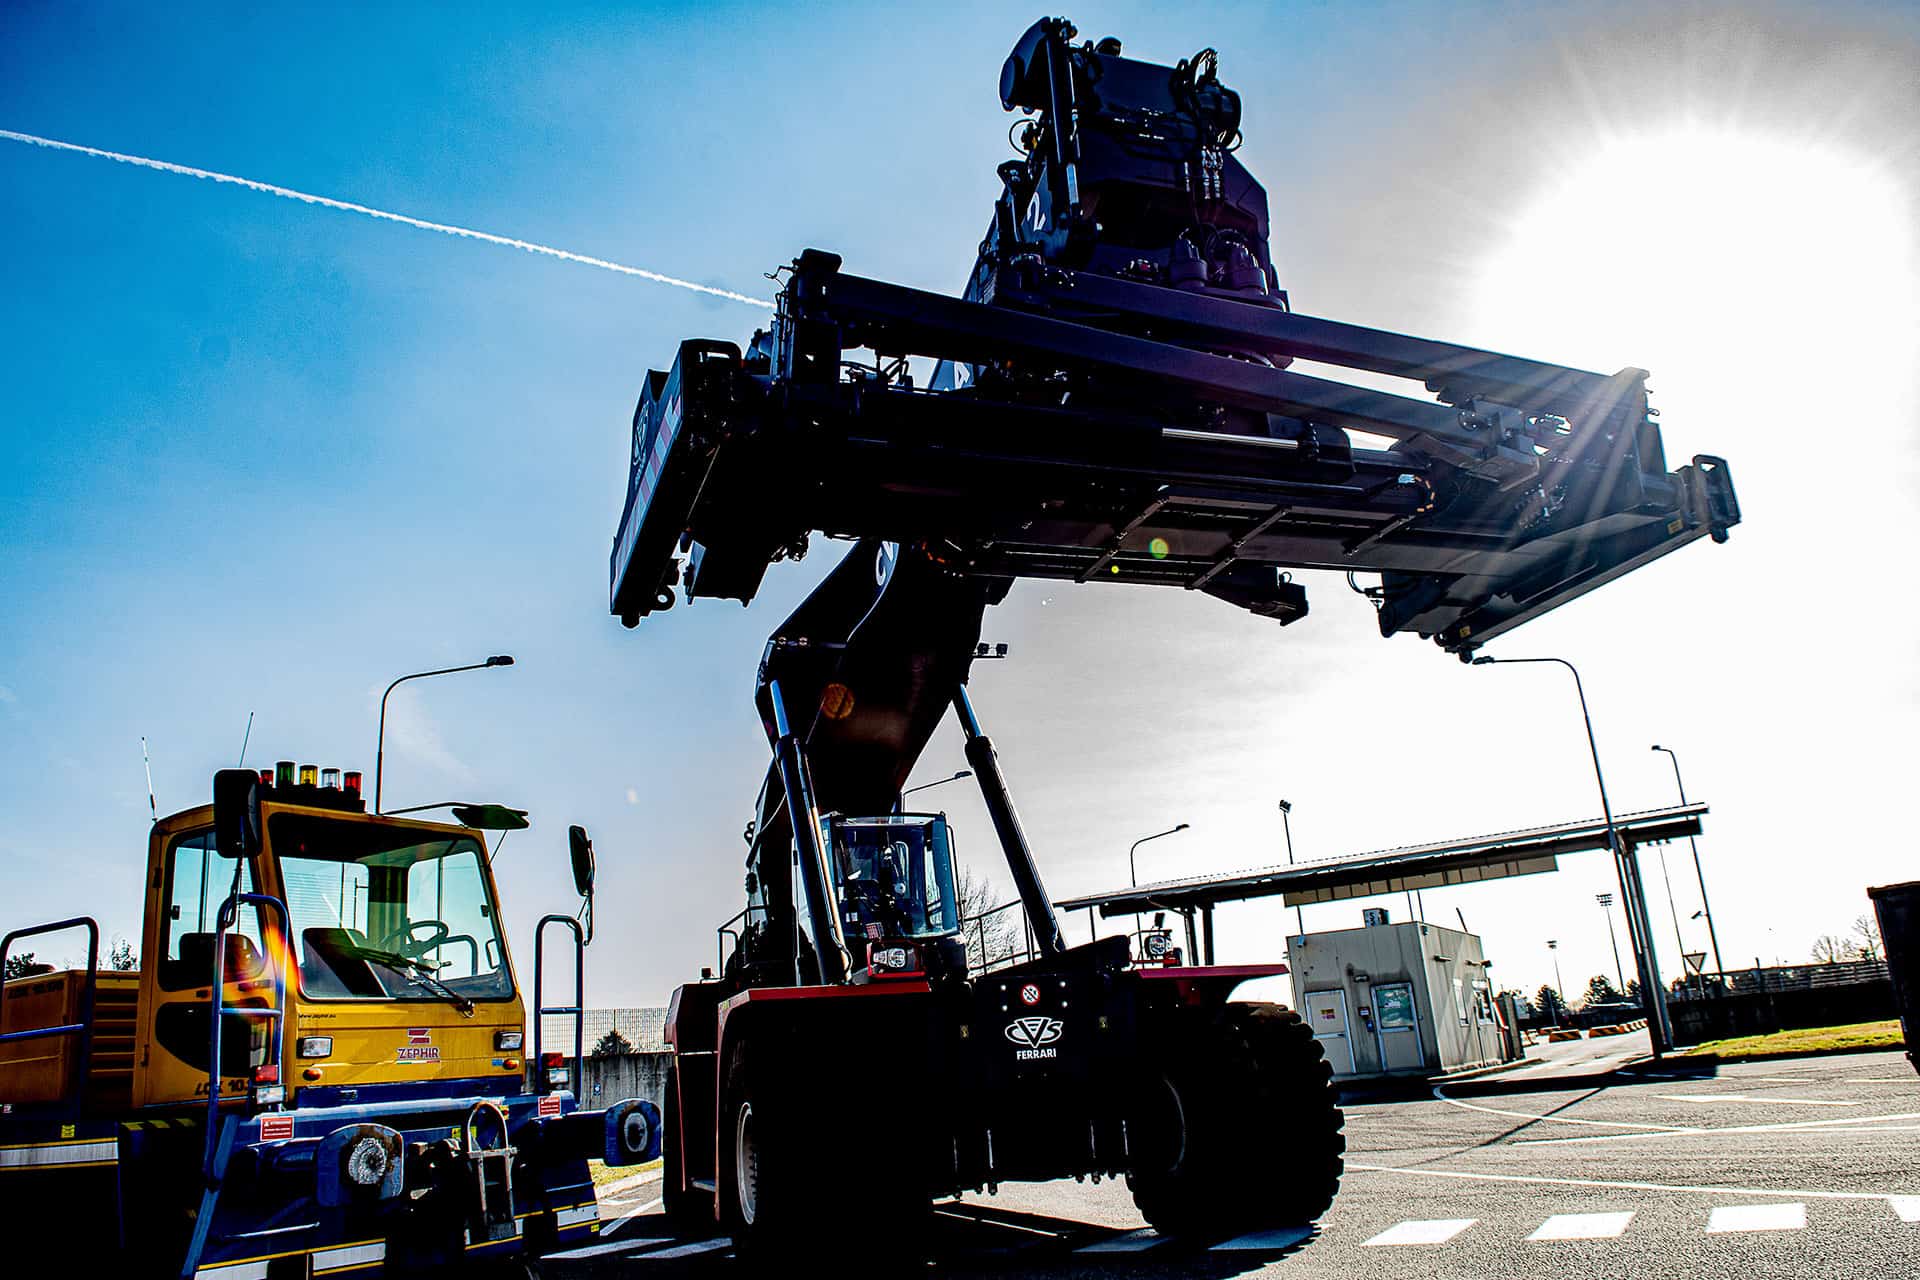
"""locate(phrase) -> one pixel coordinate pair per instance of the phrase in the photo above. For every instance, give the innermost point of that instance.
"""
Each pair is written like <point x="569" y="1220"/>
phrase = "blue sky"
<point x="264" y="456"/>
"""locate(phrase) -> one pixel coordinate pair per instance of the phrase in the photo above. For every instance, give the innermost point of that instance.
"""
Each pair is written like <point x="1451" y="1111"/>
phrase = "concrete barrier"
<point x="1617" y="1029"/>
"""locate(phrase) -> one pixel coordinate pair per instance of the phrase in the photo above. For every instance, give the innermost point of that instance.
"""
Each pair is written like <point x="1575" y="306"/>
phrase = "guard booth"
<point x="1387" y="999"/>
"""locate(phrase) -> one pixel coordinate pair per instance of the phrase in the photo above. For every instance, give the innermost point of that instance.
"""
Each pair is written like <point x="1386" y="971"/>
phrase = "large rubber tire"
<point x="1240" y="1126"/>
<point x="790" y="1189"/>
<point x="688" y="1210"/>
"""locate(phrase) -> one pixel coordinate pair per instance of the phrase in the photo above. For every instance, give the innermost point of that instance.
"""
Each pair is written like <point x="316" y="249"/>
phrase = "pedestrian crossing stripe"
<point x="1730" y="1218"/>
<point x="1422" y="1231"/>
<point x="1582" y="1226"/>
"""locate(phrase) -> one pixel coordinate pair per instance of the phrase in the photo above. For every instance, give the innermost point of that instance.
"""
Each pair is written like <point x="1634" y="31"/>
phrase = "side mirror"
<point x="582" y="850"/>
<point x="236" y="813"/>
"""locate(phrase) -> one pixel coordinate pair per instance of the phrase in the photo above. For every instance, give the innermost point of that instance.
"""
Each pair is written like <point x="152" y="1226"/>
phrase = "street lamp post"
<point x="1698" y="875"/>
<point x="1559" y="984"/>
<point x="964" y="773"/>
<point x="1606" y="909"/>
<point x="1133" y="877"/>
<point x="1652" y="995"/>
<point x="1299" y="913"/>
<point x="380" y="746"/>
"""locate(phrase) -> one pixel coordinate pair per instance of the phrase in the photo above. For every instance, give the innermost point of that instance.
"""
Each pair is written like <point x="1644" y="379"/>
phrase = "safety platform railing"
<point x="219" y="1010"/>
<point x="542" y="1084"/>
<point x="83" y="1029"/>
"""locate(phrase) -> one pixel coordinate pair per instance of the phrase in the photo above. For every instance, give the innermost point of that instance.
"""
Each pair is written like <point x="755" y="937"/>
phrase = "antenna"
<point x="245" y="738"/>
<point x="153" y="806"/>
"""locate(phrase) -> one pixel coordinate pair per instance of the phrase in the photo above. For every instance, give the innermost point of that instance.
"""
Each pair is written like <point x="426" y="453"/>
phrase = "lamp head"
<point x="1484" y="660"/>
<point x="500" y="660"/>
<point x="1181" y="827"/>
<point x="1286" y="806"/>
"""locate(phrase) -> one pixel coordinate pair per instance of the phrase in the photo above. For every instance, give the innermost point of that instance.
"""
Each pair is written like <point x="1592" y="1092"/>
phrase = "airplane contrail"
<point x="445" y="229"/>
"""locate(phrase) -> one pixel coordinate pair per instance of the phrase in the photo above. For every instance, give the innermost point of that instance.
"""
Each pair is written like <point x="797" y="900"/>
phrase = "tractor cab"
<point x="894" y="883"/>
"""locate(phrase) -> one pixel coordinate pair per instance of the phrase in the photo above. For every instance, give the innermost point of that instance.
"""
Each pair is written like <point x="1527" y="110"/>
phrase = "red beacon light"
<point x="266" y="777"/>
<point x="350" y="782"/>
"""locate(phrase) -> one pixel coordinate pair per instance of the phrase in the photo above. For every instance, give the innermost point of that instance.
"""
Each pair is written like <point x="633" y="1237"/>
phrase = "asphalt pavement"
<point x="1795" y="1170"/>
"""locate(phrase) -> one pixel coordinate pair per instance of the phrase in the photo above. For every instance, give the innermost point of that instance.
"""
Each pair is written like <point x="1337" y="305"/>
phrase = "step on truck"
<point x="1114" y="398"/>
<point x="320" y="1065"/>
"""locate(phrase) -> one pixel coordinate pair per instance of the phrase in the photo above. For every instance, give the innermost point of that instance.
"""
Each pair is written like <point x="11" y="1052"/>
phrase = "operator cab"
<point x="894" y="882"/>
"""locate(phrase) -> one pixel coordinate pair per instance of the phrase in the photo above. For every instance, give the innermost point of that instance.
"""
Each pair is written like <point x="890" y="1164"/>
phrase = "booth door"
<point x="1397" y="1020"/>
<point x="1327" y="1015"/>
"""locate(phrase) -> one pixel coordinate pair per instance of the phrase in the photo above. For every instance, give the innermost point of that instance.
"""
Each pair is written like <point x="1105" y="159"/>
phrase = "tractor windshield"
<point x="894" y="876"/>
<point x="389" y="913"/>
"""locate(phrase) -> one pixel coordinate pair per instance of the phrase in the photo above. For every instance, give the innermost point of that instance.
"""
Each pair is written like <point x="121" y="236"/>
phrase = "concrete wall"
<point x="631" y="1075"/>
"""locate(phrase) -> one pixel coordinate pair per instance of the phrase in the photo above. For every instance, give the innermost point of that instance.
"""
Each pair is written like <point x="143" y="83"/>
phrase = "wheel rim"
<point x="746" y="1165"/>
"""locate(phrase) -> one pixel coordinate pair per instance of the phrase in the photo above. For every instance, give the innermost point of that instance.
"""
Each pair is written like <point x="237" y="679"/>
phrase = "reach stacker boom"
<point x="1114" y="398"/>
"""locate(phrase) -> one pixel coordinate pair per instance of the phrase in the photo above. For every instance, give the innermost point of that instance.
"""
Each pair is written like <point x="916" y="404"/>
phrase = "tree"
<point x="1600" y="990"/>
<point x="1866" y="935"/>
<point x="1547" y="1003"/>
<point x="612" y="1045"/>
<point x="1633" y="990"/>
<point x="1830" y="948"/>
<point x="994" y="936"/>
<point x="19" y="965"/>
<point x="120" y="957"/>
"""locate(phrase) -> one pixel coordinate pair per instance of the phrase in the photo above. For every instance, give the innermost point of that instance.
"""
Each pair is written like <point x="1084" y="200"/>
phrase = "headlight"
<point x="893" y="961"/>
<point x="314" y="1046"/>
<point x="508" y="1041"/>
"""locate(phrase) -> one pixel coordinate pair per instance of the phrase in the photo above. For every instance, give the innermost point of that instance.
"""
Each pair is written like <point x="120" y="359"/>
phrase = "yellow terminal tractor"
<point x="320" y="1065"/>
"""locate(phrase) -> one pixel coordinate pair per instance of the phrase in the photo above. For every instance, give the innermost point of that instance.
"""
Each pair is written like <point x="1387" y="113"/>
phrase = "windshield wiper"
<point x="421" y="972"/>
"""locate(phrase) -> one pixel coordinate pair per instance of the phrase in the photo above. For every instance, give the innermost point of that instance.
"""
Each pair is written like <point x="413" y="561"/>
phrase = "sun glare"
<point x="1724" y="262"/>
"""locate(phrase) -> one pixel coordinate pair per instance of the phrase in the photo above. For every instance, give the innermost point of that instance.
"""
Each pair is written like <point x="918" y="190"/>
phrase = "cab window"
<point x="198" y="881"/>
<point x="894" y="876"/>
<point x="389" y="913"/>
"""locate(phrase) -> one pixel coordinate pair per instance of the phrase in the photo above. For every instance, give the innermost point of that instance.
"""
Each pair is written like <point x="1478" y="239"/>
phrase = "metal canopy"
<point x="1426" y="866"/>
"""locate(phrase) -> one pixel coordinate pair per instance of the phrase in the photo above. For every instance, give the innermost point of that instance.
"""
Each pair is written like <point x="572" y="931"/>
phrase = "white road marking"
<point x="1430" y="1231"/>
<point x="604" y="1250"/>
<point x="689" y="1250"/>
<point x="1777" y="1193"/>
<point x="1594" y="1124"/>
<point x="982" y="1220"/>
<point x="1836" y="1125"/>
<point x="1582" y="1226"/>
<point x="1269" y="1241"/>
<point x="627" y="1217"/>
<point x="1728" y="1218"/>
<point x="1906" y="1207"/>
<point x="1749" y="1097"/>
<point x="1132" y="1242"/>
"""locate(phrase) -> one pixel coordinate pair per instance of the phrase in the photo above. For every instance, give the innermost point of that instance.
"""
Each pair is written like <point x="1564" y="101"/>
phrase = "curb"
<point x="650" y="1174"/>
<point x="1715" y="1060"/>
